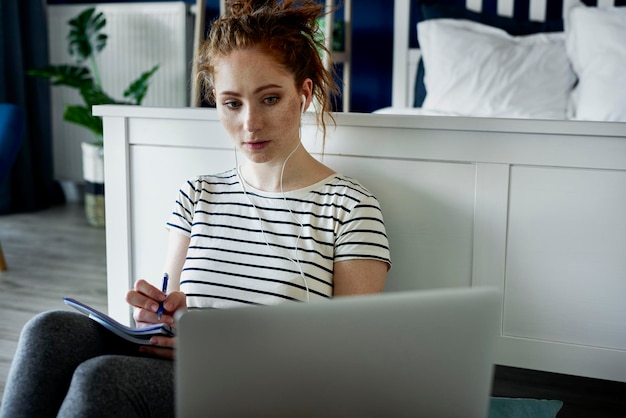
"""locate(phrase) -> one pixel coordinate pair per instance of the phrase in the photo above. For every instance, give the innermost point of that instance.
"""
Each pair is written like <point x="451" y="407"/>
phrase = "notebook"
<point x="415" y="354"/>
<point x="139" y="336"/>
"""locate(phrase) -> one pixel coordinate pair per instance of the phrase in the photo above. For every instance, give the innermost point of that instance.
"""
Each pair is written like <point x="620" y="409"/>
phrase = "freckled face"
<point x="258" y="105"/>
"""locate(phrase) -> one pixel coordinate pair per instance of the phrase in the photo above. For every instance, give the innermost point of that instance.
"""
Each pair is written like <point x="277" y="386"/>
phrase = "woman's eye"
<point x="232" y="104"/>
<point x="271" y="100"/>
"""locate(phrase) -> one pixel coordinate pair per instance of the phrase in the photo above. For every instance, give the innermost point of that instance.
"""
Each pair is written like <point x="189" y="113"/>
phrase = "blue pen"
<point x="163" y="289"/>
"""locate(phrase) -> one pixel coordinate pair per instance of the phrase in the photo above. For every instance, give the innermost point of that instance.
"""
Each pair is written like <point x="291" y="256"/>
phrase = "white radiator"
<point x="140" y="35"/>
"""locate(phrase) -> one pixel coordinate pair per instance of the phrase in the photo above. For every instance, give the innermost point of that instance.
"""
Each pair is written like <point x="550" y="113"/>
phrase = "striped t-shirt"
<point x="243" y="241"/>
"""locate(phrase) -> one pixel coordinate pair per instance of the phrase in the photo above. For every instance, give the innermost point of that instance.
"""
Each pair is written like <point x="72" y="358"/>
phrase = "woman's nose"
<point x="253" y="120"/>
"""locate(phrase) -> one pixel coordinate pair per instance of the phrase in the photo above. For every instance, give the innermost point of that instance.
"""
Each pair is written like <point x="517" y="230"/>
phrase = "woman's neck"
<point x="300" y="170"/>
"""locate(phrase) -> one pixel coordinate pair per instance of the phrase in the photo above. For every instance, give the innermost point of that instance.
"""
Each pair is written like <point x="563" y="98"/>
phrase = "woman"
<point x="280" y="227"/>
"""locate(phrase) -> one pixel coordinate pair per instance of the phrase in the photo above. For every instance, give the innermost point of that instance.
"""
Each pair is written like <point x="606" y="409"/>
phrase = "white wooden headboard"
<point x="533" y="208"/>
<point x="405" y="59"/>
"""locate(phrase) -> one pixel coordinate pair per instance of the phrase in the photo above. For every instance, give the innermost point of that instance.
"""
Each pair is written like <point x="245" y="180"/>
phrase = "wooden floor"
<point x="50" y="254"/>
<point x="55" y="253"/>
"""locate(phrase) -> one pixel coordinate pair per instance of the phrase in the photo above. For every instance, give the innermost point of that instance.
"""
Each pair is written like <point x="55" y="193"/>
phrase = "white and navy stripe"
<point x="236" y="259"/>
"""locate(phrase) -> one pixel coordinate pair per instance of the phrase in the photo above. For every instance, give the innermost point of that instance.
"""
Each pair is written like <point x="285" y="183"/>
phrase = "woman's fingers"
<point x="166" y="353"/>
<point x="145" y="295"/>
<point x="175" y="301"/>
<point x="162" y="347"/>
<point x="142" y="297"/>
<point x="144" y="318"/>
<point x="145" y="310"/>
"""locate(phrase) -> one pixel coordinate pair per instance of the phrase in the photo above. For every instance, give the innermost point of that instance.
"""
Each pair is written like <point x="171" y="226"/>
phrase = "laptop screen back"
<point x="420" y="353"/>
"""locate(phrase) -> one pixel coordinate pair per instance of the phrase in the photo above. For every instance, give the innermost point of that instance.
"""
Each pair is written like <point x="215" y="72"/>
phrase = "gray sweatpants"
<point x="67" y="365"/>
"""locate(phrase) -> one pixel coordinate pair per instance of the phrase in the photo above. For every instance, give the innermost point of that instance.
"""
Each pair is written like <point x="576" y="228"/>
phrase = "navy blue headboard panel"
<point x="519" y="24"/>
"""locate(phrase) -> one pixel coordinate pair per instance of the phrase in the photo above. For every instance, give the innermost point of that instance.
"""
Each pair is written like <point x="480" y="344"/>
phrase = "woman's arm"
<point x="177" y="245"/>
<point x="358" y="277"/>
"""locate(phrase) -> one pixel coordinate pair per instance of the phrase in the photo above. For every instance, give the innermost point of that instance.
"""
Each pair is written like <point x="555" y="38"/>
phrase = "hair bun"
<point x="244" y="7"/>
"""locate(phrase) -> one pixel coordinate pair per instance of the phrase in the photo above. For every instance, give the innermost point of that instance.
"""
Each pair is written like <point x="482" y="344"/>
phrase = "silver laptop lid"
<point x="415" y="354"/>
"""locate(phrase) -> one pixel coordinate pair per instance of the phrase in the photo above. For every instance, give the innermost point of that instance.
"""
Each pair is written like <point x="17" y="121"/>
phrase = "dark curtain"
<point x="24" y="46"/>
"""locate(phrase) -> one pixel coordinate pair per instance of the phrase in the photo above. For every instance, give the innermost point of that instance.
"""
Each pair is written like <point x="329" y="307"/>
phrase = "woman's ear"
<point x="307" y="93"/>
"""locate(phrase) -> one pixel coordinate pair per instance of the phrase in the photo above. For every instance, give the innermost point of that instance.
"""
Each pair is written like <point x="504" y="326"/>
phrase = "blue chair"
<point x="12" y="125"/>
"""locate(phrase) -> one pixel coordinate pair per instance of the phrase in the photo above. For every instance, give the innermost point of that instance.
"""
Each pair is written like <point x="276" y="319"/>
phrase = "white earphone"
<point x="295" y="259"/>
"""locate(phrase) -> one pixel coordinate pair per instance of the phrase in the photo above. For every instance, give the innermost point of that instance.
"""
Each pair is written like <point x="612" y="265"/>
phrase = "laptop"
<point x="426" y="353"/>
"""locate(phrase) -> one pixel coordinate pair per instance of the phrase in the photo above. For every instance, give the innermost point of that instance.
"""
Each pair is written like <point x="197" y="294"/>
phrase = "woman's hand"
<point x="145" y="300"/>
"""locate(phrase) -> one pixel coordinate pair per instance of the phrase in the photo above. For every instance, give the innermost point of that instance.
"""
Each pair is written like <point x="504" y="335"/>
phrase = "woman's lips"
<point x="256" y="145"/>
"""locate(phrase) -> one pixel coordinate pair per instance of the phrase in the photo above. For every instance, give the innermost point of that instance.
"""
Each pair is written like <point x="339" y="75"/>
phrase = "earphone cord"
<point x="296" y="261"/>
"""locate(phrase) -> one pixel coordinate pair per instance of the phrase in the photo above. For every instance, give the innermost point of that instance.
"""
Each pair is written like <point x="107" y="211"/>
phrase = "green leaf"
<point x="95" y="96"/>
<point x="65" y="75"/>
<point x="139" y="87"/>
<point x="85" y="38"/>
<point x="81" y="115"/>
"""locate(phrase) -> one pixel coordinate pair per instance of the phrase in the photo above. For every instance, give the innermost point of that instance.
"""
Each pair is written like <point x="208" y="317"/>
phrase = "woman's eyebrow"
<point x="256" y="91"/>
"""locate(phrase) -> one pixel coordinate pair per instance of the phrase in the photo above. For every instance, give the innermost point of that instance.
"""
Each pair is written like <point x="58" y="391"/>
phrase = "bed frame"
<point x="405" y="58"/>
<point x="533" y="208"/>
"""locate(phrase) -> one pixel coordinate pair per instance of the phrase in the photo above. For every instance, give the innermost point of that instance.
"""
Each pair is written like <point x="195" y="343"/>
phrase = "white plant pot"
<point x="93" y="174"/>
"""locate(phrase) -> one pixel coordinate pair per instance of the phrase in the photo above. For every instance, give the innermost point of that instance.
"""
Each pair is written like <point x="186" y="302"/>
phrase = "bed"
<point x="534" y="208"/>
<point x="536" y="59"/>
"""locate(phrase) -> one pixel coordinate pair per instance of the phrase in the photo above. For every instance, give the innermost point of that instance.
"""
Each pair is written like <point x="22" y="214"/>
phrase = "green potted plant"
<point x="85" y="42"/>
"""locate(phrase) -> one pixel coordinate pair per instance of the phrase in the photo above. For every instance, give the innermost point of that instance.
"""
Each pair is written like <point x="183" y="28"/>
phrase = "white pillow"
<point x="596" y="44"/>
<point x="477" y="70"/>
